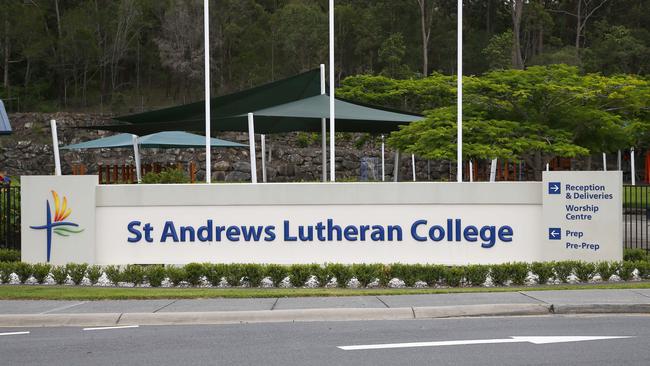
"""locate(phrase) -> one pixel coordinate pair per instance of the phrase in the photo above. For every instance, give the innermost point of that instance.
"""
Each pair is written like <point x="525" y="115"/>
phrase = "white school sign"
<point x="74" y="219"/>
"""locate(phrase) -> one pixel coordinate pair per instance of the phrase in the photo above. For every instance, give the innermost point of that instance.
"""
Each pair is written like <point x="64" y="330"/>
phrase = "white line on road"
<point x="118" y="327"/>
<point x="13" y="333"/>
<point x="534" y="340"/>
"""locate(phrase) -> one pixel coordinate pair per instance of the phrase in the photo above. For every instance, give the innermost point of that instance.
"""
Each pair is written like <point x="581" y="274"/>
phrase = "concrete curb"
<point x="601" y="309"/>
<point x="59" y="320"/>
<point x="481" y="310"/>
<point x="313" y="315"/>
<point x="266" y="316"/>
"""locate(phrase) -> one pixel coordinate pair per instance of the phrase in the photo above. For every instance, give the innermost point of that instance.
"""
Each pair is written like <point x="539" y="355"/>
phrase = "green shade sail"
<point x="292" y="104"/>
<point x="279" y="92"/>
<point x="161" y="140"/>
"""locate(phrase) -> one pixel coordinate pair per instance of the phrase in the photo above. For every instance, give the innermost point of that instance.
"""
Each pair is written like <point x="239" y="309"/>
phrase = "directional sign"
<point x="582" y="216"/>
<point x="554" y="233"/>
<point x="514" y="339"/>
<point x="554" y="188"/>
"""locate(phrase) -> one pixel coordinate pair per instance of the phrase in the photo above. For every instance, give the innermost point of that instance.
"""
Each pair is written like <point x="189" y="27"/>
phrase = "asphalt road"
<point x="317" y="343"/>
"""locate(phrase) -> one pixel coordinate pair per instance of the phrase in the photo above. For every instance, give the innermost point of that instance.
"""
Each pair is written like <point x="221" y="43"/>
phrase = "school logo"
<point x="57" y="224"/>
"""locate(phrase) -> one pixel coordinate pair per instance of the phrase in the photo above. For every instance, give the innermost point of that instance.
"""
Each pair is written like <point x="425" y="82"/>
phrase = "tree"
<point x="435" y="138"/>
<point x="391" y="54"/>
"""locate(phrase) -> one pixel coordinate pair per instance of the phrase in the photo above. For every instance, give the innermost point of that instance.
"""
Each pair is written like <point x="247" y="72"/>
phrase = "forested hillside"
<point x="129" y="55"/>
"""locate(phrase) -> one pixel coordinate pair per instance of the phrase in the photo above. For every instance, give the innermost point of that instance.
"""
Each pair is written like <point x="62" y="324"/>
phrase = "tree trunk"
<point x="425" y="36"/>
<point x="517" y="10"/>
<point x="579" y="24"/>
<point x="5" y="82"/>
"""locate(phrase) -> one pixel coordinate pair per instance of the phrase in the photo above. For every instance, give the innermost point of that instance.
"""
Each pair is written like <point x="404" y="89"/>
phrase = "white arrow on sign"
<point x="534" y="340"/>
<point x="554" y="233"/>
<point x="554" y="188"/>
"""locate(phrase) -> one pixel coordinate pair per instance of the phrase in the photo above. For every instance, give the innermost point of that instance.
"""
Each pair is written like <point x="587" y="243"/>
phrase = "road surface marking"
<point x="534" y="340"/>
<point x="13" y="333"/>
<point x="118" y="327"/>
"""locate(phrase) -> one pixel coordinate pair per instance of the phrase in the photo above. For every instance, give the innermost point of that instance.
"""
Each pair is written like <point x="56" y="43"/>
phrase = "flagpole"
<point x="206" y="56"/>
<point x="459" y="101"/>
<point x="332" y="112"/>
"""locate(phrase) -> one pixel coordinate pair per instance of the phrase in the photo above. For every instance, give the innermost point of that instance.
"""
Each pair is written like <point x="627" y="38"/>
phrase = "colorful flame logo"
<point x="57" y="224"/>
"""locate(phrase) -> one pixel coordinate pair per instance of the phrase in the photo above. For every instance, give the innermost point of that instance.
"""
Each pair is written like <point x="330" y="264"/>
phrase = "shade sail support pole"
<point x="632" y="167"/>
<point x="413" y="165"/>
<point x="471" y="171"/>
<point x="459" y="86"/>
<point x="332" y="92"/>
<point x="206" y="60"/>
<point x="396" y="167"/>
<point x="251" y="146"/>
<point x="136" y="156"/>
<point x="493" y="170"/>
<point x="263" y="146"/>
<point x="383" y="159"/>
<point x="55" y="148"/>
<point x="323" y="123"/>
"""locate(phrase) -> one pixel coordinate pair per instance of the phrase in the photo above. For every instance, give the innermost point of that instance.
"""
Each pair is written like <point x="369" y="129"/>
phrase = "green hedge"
<point x="9" y="255"/>
<point x="198" y="274"/>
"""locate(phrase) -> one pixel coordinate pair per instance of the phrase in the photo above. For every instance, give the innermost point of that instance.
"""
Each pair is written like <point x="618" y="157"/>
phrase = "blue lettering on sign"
<point x="451" y="231"/>
<point x="454" y="228"/>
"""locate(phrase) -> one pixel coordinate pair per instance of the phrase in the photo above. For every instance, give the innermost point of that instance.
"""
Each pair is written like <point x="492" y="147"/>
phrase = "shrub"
<point x="6" y="269"/>
<point x="155" y="275"/>
<point x="299" y="274"/>
<point x="194" y="272"/>
<point x="113" y="274"/>
<point x="234" y="274"/>
<point x="499" y="274"/>
<point x="543" y="270"/>
<point x="616" y="267"/>
<point x="643" y="267"/>
<point x="276" y="272"/>
<point x="404" y="272"/>
<point x="342" y="273"/>
<point x="94" y="272"/>
<point x="518" y="271"/>
<point x="366" y="273"/>
<point x="585" y="271"/>
<point x="59" y="274"/>
<point x="41" y="270"/>
<point x="23" y="271"/>
<point x="176" y="275"/>
<point x="454" y="276"/>
<point x="9" y="255"/>
<point x="605" y="270"/>
<point x="169" y="175"/>
<point x="634" y="255"/>
<point x="134" y="274"/>
<point x="563" y="269"/>
<point x="253" y="273"/>
<point x="432" y="273"/>
<point x="215" y="272"/>
<point x="625" y="270"/>
<point x="76" y="272"/>
<point x="476" y="274"/>
<point x="320" y="273"/>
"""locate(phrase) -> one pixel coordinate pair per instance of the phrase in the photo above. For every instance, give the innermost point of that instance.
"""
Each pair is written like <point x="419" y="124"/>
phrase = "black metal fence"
<point x="9" y="216"/>
<point x="636" y="211"/>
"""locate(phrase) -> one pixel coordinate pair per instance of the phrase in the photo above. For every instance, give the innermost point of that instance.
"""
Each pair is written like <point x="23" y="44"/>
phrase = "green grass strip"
<point x="22" y="292"/>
